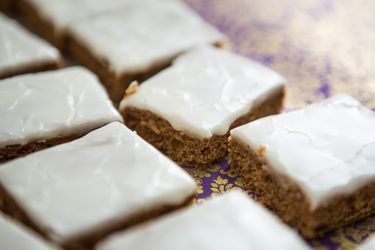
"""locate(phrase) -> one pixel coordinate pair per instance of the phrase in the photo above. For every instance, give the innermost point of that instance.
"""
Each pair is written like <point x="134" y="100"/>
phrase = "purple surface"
<point x="322" y="47"/>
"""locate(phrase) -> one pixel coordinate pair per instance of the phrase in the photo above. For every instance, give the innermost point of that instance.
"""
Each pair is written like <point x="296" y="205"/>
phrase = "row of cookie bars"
<point x="119" y="40"/>
<point x="313" y="217"/>
<point x="107" y="179"/>
<point x="315" y="196"/>
<point x="313" y="167"/>
<point x="168" y="130"/>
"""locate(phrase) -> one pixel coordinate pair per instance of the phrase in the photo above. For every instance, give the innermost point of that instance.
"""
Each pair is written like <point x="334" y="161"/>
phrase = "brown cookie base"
<point x="32" y="69"/>
<point x="287" y="200"/>
<point x="7" y="6"/>
<point x="11" y="152"/>
<point x="34" y="21"/>
<point x="9" y="206"/>
<point x="188" y="149"/>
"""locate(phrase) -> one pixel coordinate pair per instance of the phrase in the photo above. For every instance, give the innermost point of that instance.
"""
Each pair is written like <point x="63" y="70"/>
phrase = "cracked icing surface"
<point x="205" y="91"/>
<point x="19" y="48"/>
<point x="228" y="221"/>
<point x="117" y="175"/>
<point x="132" y="42"/>
<point x="52" y="104"/>
<point x="14" y="236"/>
<point x="328" y="148"/>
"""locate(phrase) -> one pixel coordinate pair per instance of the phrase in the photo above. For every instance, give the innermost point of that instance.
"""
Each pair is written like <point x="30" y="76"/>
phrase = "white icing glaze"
<point x="52" y="104"/>
<point x="328" y="148"/>
<point x="369" y="244"/>
<point x="14" y="236"/>
<point x="64" y="12"/>
<point x="132" y="42"/>
<point x="19" y="48"/>
<point x="229" y="221"/>
<point x="109" y="174"/>
<point x="205" y="91"/>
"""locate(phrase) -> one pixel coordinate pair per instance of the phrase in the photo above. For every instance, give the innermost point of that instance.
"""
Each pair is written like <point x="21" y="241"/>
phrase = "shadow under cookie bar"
<point x="87" y="241"/>
<point x="188" y="149"/>
<point x="287" y="200"/>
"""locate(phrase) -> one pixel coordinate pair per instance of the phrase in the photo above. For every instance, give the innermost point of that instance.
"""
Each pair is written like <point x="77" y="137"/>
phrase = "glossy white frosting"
<point x="62" y="13"/>
<point x="19" y="48"/>
<point x="52" y="104"/>
<point x="229" y="221"/>
<point x="328" y="148"/>
<point x="143" y="33"/>
<point x="107" y="175"/>
<point x="205" y="91"/>
<point x="14" y="236"/>
<point x="369" y="244"/>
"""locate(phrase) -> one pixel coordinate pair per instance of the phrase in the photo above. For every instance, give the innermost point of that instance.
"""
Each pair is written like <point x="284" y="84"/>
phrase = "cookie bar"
<point x="137" y="40"/>
<point x="313" y="167"/>
<point x="50" y="19"/>
<point x="44" y="109"/>
<point x="78" y="192"/>
<point x="228" y="221"/>
<point x="187" y="109"/>
<point x="22" y="52"/>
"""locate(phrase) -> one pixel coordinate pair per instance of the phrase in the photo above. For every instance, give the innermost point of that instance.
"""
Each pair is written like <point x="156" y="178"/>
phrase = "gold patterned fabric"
<point x="323" y="47"/>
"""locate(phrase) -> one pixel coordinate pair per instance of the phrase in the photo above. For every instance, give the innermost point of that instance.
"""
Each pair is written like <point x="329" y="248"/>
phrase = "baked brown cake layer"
<point x="7" y="6"/>
<point x="9" y="206"/>
<point x="32" y="69"/>
<point x="287" y="200"/>
<point x="185" y="148"/>
<point x="34" y="21"/>
<point x="11" y="152"/>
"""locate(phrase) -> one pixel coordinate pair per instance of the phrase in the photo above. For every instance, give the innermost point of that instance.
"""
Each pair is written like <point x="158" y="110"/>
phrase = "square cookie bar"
<point x="228" y="221"/>
<point x="14" y="236"/>
<point x="78" y="192"/>
<point x="186" y="110"/>
<point x="44" y="109"/>
<point x="22" y="52"/>
<point x="137" y="40"/>
<point x="50" y="19"/>
<point x="313" y="167"/>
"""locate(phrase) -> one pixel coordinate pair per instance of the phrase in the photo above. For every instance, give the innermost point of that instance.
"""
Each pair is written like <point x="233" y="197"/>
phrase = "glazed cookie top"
<point x="107" y="175"/>
<point x="229" y="221"/>
<point x="327" y="148"/>
<point x="63" y="13"/>
<point x="52" y="104"/>
<point x="19" y="48"/>
<point x="14" y="236"/>
<point x="132" y="42"/>
<point x="205" y="91"/>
